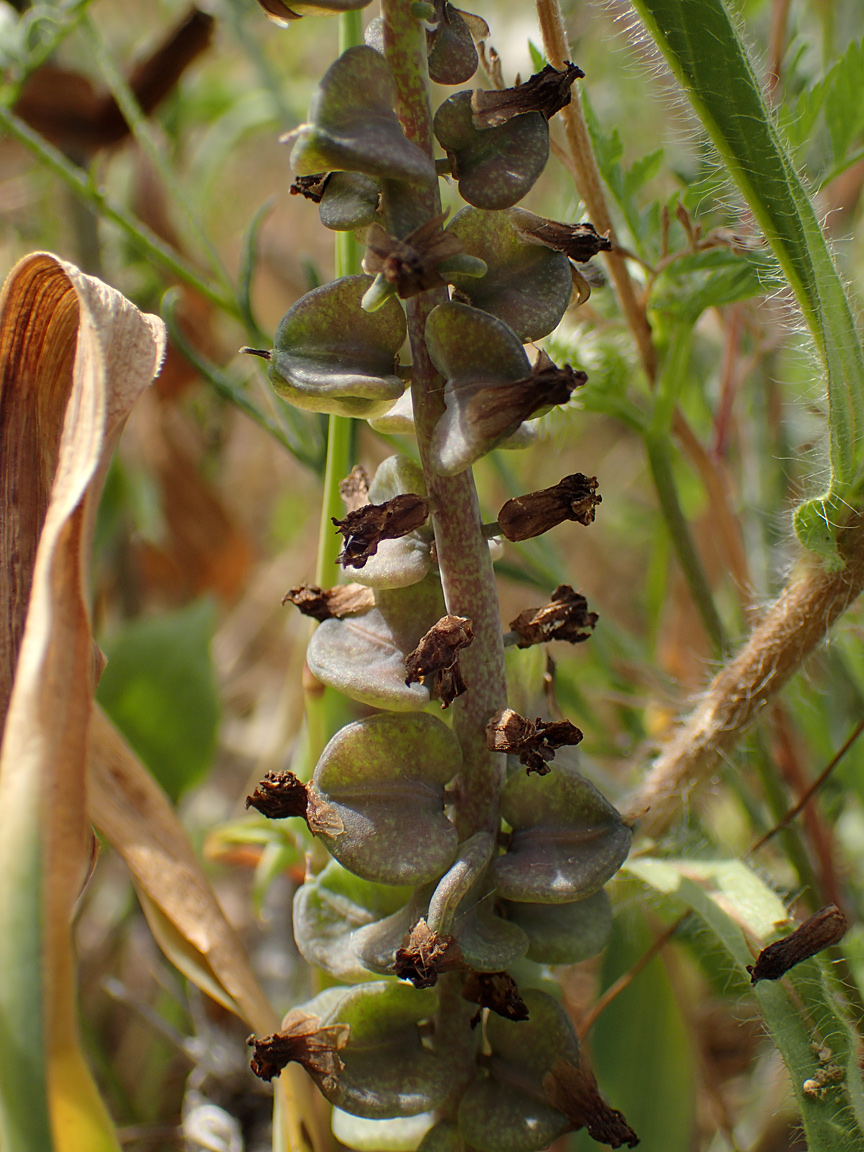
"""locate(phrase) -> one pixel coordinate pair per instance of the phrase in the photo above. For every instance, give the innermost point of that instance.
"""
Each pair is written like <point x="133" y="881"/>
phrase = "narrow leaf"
<point x="702" y="47"/>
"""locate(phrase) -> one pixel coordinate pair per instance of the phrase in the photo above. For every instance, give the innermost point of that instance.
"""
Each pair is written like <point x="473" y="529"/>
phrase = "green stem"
<point x="462" y="551"/>
<point x="337" y="467"/>
<point x="145" y="240"/>
<point x="658" y="440"/>
<point x="140" y="128"/>
<point x="682" y="541"/>
<point x="325" y="706"/>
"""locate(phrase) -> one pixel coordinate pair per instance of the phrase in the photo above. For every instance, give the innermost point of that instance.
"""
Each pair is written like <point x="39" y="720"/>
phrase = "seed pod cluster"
<point x="416" y="894"/>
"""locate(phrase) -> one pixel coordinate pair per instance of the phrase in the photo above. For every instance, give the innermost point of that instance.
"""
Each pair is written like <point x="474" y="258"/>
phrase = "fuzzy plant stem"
<point x="788" y="634"/>
<point x="462" y="551"/>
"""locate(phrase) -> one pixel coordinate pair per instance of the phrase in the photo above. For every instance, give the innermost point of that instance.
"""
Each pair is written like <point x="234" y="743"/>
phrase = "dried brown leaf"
<point x="74" y="355"/>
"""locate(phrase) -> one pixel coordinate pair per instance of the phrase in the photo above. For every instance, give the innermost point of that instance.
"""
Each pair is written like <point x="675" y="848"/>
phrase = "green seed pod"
<point x="384" y="778"/>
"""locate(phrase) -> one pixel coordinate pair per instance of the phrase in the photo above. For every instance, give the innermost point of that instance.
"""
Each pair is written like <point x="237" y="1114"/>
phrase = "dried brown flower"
<point x="496" y="412"/>
<point x="425" y="955"/>
<point x="534" y="743"/>
<point x="312" y="187"/>
<point x="366" y="527"/>
<point x="354" y="489"/>
<point x="280" y="795"/>
<point x="565" y="617"/>
<point x="410" y="265"/>
<point x="437" y="656"/>
<point x="547" y="91"/>
<point x="573" y="498"/>
<point x="574" y="1092"/>
<point x="578" y="241"/>
<point x="303" y="1041"/>
<point x="498" y="992"/>
<point x="821" y="930"/>
<point x="331" y="603"/>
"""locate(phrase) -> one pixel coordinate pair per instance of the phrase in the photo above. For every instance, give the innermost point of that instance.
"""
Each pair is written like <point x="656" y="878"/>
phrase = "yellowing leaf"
<point x="74" y="355"/>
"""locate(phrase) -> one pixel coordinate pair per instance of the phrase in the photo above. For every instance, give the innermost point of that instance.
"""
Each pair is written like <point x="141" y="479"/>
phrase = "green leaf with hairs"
<point x="700" y="42"/>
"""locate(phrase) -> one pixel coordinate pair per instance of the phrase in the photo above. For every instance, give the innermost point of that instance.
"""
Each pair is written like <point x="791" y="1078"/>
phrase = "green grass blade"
<point x="700" y="42"/>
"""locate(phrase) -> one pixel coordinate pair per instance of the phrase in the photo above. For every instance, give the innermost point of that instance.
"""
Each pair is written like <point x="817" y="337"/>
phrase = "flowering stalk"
<point x="410" y="807"/>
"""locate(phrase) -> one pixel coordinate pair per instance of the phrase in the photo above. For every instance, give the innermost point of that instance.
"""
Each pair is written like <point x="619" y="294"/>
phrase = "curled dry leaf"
<point x="301" y="1040"/>
<point x="496" y="991"/>
<point x="534" y="743"/>
<point x="281" y="794"/>
<point x="331" y="603"/>
<point x="547" y="91"/>
<point x="822" y="929"/>
<point x="437" y="656"/>
<point x="411" y="265"/>
<point x="425" y="955"/>
<point x="565" y="617"/>
<point x="573" y="1091"/>
<point x="573" y="498"/>
<point x="74" y="356"/>
<point x="366" y="527"/>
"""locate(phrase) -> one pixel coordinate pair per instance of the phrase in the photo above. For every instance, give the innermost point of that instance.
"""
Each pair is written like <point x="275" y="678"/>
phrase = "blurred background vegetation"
<point x="211" y="512"/>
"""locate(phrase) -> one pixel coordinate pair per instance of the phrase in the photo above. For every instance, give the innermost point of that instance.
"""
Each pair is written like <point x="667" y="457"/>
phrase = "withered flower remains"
<point x="411" y="265"/>
<point x="573" y="498"/>
<point x="547" y="91"/>
<point x="280" y="795"/>
<point x="574" y="1092"/>
<point x="565" y="617"/>
<point x="302" y="1041"/>
<point x="496" y="412"/>
<point x="534" y="743"/>
<point x="354" y="489"/>
<point x="821" y="930"/>
<point x="437" y="656"/>
<point x="312" y="187"/>
<point x="496" y="991"/>
<point x="425" y="955"/>
<point x="578" y="241"/>
<point x="330" y="603"/>
<point x="366" y="527"/>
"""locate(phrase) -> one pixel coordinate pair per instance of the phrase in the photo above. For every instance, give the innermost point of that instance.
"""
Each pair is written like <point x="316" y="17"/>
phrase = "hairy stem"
<point x="462" y="551"/>
<point x="777" y="648"/>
